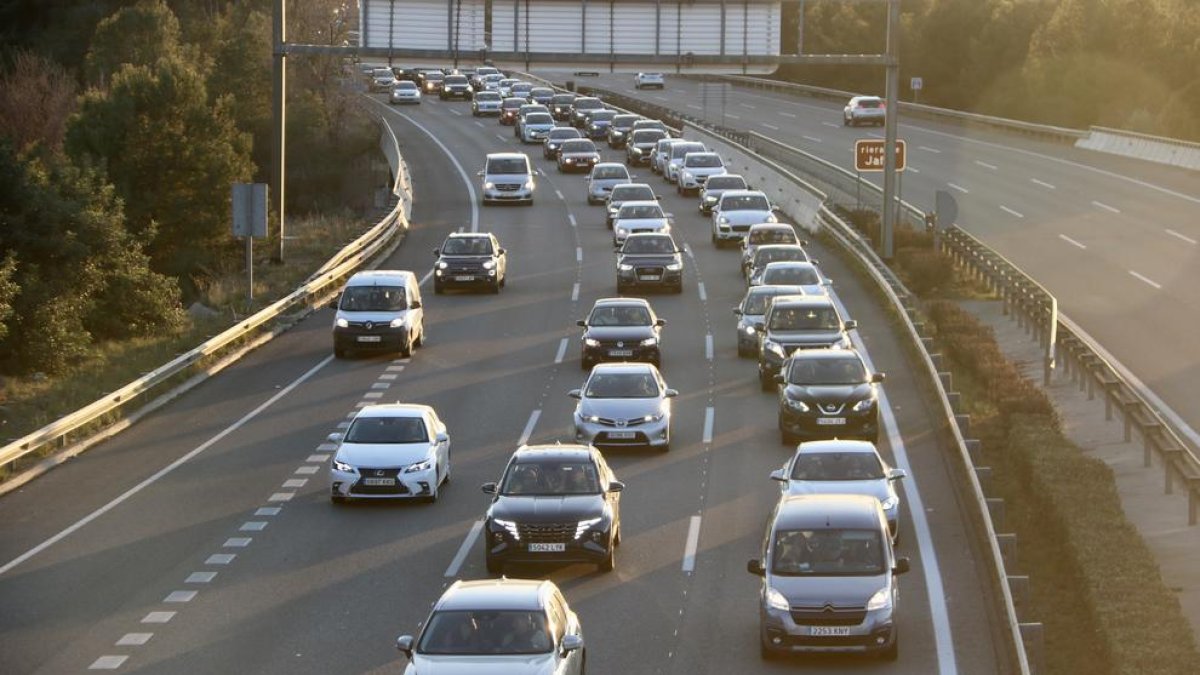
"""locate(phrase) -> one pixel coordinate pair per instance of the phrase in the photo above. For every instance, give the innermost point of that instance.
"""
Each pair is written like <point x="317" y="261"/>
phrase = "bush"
<point x="925" y="271"/>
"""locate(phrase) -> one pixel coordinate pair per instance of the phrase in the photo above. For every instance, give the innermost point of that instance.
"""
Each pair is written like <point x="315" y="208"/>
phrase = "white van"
<point x="507" y="177"/>
<point x="379" y="310"/>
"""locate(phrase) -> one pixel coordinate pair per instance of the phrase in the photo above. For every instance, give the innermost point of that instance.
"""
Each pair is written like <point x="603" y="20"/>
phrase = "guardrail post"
<point x="1008" y="549"/>
<point x="984" y="475"/>
<point x="1193" y="500"/>
<point x="1033" y="636"/>
<point x="955" y="400"/>
<point x="1126" y="417"/>
<point x="947" y="379"/>
<point x="1019" y="587"/>
<point x="964" y="424"/>
<point x="1108" y="406"/>
<point x="974" y="449"/>
<point x="996" y="511"/>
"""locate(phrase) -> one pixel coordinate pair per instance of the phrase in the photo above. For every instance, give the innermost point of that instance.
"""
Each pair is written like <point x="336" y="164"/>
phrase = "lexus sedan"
<point x="390" y="451"/>
<point x="620" y="329"/>
<point x="634" y="217"/>
<point x="577" y="155"/>
<point x="470" y="259"/>
<point x="628" y="192"/>
<point x="623" y="405"/>
<point x="750" y="313"/>
<point x="650" y="261"/>
<point x="838" y="467"/>
<point x="555" y="138"/>
<point x="604" y="177"/>
<point x="827" y="393"/>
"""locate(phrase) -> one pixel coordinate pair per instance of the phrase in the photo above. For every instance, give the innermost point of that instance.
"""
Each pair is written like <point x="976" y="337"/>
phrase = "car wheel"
<point x="337" y="500"/>
<point x="420" y="341"/>
<point x="679" y="190"/>
<point x="339" y="353"/>
<point x="504" y="281"/>
<point x="617" y="536"/>
<point x="406" y="348"/>
<point x="609" y="562"/>
<point x="493" y="566"/>
<point x="764" y="382"/>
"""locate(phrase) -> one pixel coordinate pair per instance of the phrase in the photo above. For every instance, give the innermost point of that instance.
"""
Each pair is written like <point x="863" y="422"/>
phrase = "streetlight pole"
<point x="890" y="119"/>
<point x="278" y="114"/>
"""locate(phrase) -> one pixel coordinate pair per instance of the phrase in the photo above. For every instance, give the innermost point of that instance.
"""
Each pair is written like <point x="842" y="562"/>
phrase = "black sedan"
<point x="621" y="329"/>
<point x="469" y="259"/>
<point x="828" y="393"/>
<point x="649" y="260"/>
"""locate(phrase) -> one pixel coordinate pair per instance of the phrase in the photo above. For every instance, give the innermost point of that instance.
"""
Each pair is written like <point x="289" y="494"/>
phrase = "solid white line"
<point x="874" y="135"/>
<point x="929" y="149"/>
<point x="134" y="639"/>
<point x="562" y="351"/>
<point x="688" y="250"/>
<point x="709" y="413"/>
<point x="1153" y="283"/>
<point x="708" y="347"/>
<point x="463" y="550"/>
<point x="1175" y="234"/>
<point x="164" y="471"/>
<point x="703" y="292"/>
<point x="985" y="165"/>
<point x="772" y="127"/>
<point x="111" y="662"/>
<point x="1106" y="207"/>
<point x="158" y="617"/>
<point x="959" y="188"/>
<point x="180" y="596"/>
<point x="1010" y="212"/>
<point x="200" y="577"/>
<point x="533" y="420"/>
<point x="578" y="254"/>
<point x="814" y="139"/>
<point x="693" y="542"/>
<point x="571" y="217"/>
<point x="1071" y="241"/>
<point x="662" y="98"/>
<point x="560" y="194"/>
<point x="575" y="293"/>
<point x="1043" y="183"/>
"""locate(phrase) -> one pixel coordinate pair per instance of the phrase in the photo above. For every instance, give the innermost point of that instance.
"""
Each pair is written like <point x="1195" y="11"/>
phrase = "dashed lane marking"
<point x="464" y="549"/>
<point x="703" y="292"/>
<point x="812" y="139"/>
<point x="220" y="559"/>
<point x="1015" y="214"/>
<point x="575" y="293"/>
<point x="533" y="420"/>
<point x="960" y="188"/>
<point x="708" y="347"/>
<point x="1043" y="183"/>
<point x="237" y="542"/>
<point x="134" y="639"/>
<point x="200" y="577"/>
<point x="181" y="596"/>
<point x="926" y="148"/>
<point x="1175" y="234"/>
<point x="772" y="127"/>
<point x="1146" y="280"/>
<point x="709" y="414"/>
<point x="562" y="351"/>
<point x="985" y="165"/>
<point x="693" y="542"/>
<point x="111" y="662"/>
<point x="158" y="617"/>
<point x="1106" y="207"/>
<point x="1072" y="241"/>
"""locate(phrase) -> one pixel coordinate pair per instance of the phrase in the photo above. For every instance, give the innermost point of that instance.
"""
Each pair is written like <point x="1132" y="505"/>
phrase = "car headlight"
<point x="339" y="465"/>
<point x="775" y="600"/>
<point x="622" y="231"/>
<point x="864" y="404"/>
<point x="489" y="264"/>
<point x="799" y="406"/>
<point x="774" y="348"/>
<point x="723" y="220"/>
<point x="749" y="329"/>
<point x="624" y="267"/>
<point x="397" y="322"/>
<point x="881" y="600"/>
<point x="891" y="503"/>
<point x="509" y="526"/>
<point x="655" y="417"/>
<point x="488" y="185"/>
<point x="419" y="466"/>
<point x="342" y="323"/>
<point x="442" y="265"/>
<point x="772" y="219"/>
<point x="591" y="418"/>
<point x="675" y="267"/>
<point x="649" y="342"/>
<point x="591" y="342"/>
<point x="710" y="199"/>
<point x="685" y="175"/>
<point x="636" y="151"/>
<point x="585" y="525"/>
<point x="528" y="184"/>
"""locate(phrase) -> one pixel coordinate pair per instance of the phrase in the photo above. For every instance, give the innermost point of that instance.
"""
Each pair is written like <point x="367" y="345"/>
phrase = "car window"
<point x="773" y="236"/>
<point x="486" y="632"/>
<point x="513" y="103"/>
<point x="387" y="430"/>
<point x="632" y="194"/>
<point x="640" y="211"/>
<point x="622" y="385"/>
<point x="788" y="275"/>
<point x="603" y="115"/>
<point x="467" y="246"/>
<point x="678" y="150"/>
<point x="539" y="118"/>
<point x="560" y="99"/>
<point x="756" y="303"/>
<point x="406" y="85"/>
<point x="628" y="315"/>
<point x="610" y="172"/>
<point x="563" y="132"/>
<point x="744" y="203"/>
<point x="579" y="146"/>
<point x="588" y="104"/>
<point x="373" y="299"/>
<point x="551" y="477"/>
<point x="804" y="318"/>
<point x="507" y="165"/>
<point x="487" y="96"/>
<point x="651" y="245"/>
<point x="702" y="161"/>
<point x="765" y="256"/>
<point x="648" y="136"/>
<point x="870" y="103"/>
<point x="456" y="79"/>
<point x="726" y="183"/>
<point x="827" y="372"/>
<point x="829" y="552"/>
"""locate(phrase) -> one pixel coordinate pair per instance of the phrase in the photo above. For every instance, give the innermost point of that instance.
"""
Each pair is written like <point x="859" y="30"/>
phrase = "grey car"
<point x="500" y="627"/>
<point x="635" y="217"/>
<point x="629" y="192"/>
<point x="623" y="405"/>
<point x="790" y="273"/>
<point x="604" y="177"/>
<point x="750" y="312"/>
<point x="716" y="186"/>
<point x="843" y="467"/>
<point x="798" y="322"/>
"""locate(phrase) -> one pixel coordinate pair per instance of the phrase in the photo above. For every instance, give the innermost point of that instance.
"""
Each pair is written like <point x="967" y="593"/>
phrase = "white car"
<point x="485" y="103"/>
<point x="864" y="110"/>
<point x="696" y="169"/>
<point x="736" y="211"/>
<point x="628" y="192"/>
<point x="716" y="186"/>
<point x="662" y="154"/>
<point x="649" y="81"/>
<point x="390" y="451"/>
<point x="675" y="161"/>
<point x="405" y="92"/>
<point x="639" y="216"/>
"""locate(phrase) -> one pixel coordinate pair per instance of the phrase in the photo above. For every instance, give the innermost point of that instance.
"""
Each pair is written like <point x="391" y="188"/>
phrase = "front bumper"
<point x="641" y="158"/>
<point x="644" y="277"/>
<point x="379" y="338"/>
<point x="628" y="352"/>
<point x="727" y="233"/>
<point x="404" y="99"/>
<point x="503" y="548"/>
<point x="815" y="424"/>
<point x="487" y="111"/>
<point x="652" y="434"/>
<point x="519" y="195"/>
<point x="479" y="277"/>
<point x="779" y="632"/>
<point x="352" y="485"/>
<point x="578" y="163"/>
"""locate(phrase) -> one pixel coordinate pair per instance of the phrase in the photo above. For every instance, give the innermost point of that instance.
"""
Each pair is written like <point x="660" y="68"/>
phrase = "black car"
<point x="581" y="106"/>
<point x="509" y="108"/>
<point x="554" y="140"/>
<point x="798" y="322"/>
<point x="561" y="106"/>
<point x="542" y="95"/>
<point x="621" y="329"/>
<point x="619" y="129"/>
<point x="597" y="122"/>
<point x="649" y="260"/>
<point x="431" y="81"/>
<point x="470" y="259"/>
<point x="455" y="86"/>
<point x="555" y="503"/>
<point x="640" y="145"/>
<point x="828" y="393"/>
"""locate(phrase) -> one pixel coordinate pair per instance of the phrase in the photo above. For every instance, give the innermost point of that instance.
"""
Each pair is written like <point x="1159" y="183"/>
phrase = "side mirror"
<point x="571" y="643"/>
<point x="660" y="323"/>
<point x="479" y="173"/>
<point x="878" y="377"/>
<point x="581" y="323"/>
<point x="503" y="252"/>
<point x="575" y="393"/>
<point x="850" y="324"/>
<point x="658" y="197"/>
<point x="827" y="282"/>
<point x="901" y="567"/>
<point x="443" y="437"/>
<point x="778" y="378"/>
<point x="813" y="260"/>
<point x="488" y="488"/>
<point x="405" y="644"/>
<point x="335" y="437"/>
<point x="737" y="311"/>
<point x="897" y="474"/>
<point x="671" y="393"/>
<point x="616" y="486"/>
<point x="779" y="475"/>
<point x="804" y="242"/>
<point x="756" y="568"/>
<point x="437" y="251"/>
<point x="415" y="304"/>
<point x="669" y="216"/>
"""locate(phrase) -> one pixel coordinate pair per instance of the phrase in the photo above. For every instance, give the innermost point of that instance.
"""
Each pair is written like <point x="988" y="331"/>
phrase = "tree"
<point x="139" y="35"/>
<point x="8" y="291"/>
<point x="37" y="96"/>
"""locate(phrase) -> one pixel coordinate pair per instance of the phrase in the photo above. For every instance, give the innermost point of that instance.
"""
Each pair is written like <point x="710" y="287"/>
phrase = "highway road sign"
<point x="916" y="84"/>
<point x="869" y="154"/>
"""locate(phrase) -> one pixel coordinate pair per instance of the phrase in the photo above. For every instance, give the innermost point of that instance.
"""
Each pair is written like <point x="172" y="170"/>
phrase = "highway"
<point x="202" y="540"/>
<point x="1116" y="240"/>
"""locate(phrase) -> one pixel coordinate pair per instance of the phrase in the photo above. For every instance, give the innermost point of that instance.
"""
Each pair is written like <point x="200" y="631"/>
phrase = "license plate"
<point x="650" y="277"/>
<point x="370" y="338"/>
<point x="466" y="278"/>
<point x="823" y="631"/>
<point x="547" y="548"/>
<point x="621" y="434"/>
<point x="620" y="352"/>
<point x="831" y="421"/>
<point x="379" y="481"/>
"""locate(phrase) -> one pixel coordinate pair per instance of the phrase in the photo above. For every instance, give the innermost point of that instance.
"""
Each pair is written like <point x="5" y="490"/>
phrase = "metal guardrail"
<point x="330" y="274"/>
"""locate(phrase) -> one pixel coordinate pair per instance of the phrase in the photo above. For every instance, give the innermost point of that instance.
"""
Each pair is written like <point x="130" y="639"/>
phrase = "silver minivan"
<point x="507" y="177"/>
<point x="379" y="310"/>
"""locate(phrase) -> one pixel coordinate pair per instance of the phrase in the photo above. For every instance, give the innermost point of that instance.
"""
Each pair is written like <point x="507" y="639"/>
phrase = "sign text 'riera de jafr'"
<point x="869" y="154"/>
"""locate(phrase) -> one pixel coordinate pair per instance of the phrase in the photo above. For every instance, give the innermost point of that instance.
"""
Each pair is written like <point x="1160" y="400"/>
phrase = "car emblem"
<point x="622" y="423"/>
<point x="380" y="472"/>
<point x="828" y="609"/>
<point x="368" y="325"/>
<point x="620" y="343"/>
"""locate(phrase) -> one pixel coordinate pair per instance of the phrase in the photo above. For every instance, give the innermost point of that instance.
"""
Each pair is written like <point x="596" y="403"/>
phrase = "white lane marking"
<point x="463" y="550"/>
<point x="709" y="414"/>
<point x="503" y="139"/>
<point x="1140" y="277"/>
<point x="985" y="165"/>
<point x="456" y="112"/>
<point x="274" y="510"/>
<point x="926" y="148"/>
<point x="708" y="347"/>
<point x="158" y="617"/>
<point x="562" y="351"/>
<point x="253" y="526"/>
<point x="959" y="188"/>
<point x="1072" y="241"/>
<point x="533" y="420"/>
<point x="1016" y="214"/>
<point x="381" y="385"/>
<point x="326" y="447"/>
<point x="874" y="135"/>
<point x="787" y="114"/>
<point x="180" y="596"/>
<point x="317" y="458"/>
<point x="200" y="577"/>
<point x="662" y="98"/>
<point x="693" y="542"/>
<point x="237" y="542"/>
<point x="575" y="293"/>
<point x="134" y="639"/>
<point x="1175" y="234"/>
<point x="394" y="369"/>
<point x="912" y="169"/>
<point x="578" y="254"/>
<point x="111" y="662"/>
<point x="389" y="377"/>
<point x="814" y="139"/>
<point x="165" y="470"/>
<point x="703" y="292"/>
<point x="571" y="217"/>
<point x="362" y="404"/>
<point x="281" y="497"/>
<point x="560" y="194"/>
<point x="1106" y="207"/>
<point x="1043" y="183"/>
<point x="306" y="470"/>
<point x="693" y="106"/>
<point x="295" y="483"/>
<point x="220" y="559"/>
<point x="831" y="125"/>
<point x="772" y="127"/>
<point x="373" y="395"/>
<point x="733" y="117"/>
<point x="479" y="124"/>
<point x="747" y="105"/>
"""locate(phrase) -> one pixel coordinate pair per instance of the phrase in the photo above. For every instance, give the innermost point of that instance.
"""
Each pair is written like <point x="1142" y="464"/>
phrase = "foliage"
<point x="37" y="96"/>
<point x="139" y="35"/>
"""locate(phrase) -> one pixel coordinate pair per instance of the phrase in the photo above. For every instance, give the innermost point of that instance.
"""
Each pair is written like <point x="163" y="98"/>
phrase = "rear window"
<point x="680" y="149"/>
<point x="648" y="136"/>
<point x="610" y="172"/>
<point x="487" y="96"/>
<point x="588" y="103"/>
<point x="508" y="165"/>
<point x="579" y="146"/>
<point x="564" y="132"/>
<point x="791" y="276"/>
<point x="539" y="118"/>
<point x="765" y="256"/>
<point x="631" y="194"/>
<point x="744" y="203"/>
<point x="726" y="183"/>
<point x="513" y="103"/>
<point x="561" y="99"/>
<point x="456" y="79"/>
<point x="640" y="211"/>
<point x="773" y="236"/>
<point x="603" y="115"/>
<point x="870" y="103"/>
<point x="702" y="161"/>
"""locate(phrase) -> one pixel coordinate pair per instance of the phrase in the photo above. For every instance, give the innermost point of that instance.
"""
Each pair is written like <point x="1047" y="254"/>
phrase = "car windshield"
<point x="588" y="104"/>
<point x="745" y="203"/>
<point x="563" y="99"/>
<point x="756" y="303"/>
<point x="436" y="77"/>
<point x="622" y="385"/>
<point x="767" y="255"/>
<point x="507" y="165"/>
<point x="542" y="91"/>
<point x="702" y="161"/>
<point x="387" y="430"/>
<point x="632" y="194"/>
<point x="373" y="299"/>
<point x="773" y="236"/>
<point x="648" y="136"/>
<point x="789" y="275"/>
<point x="456" y="79"/>
<point x="470" y="632"/>
<point x="804" y="318"/>
<point x="640" y="211"/>
<point x="627" y="315"/>
<point x="579" y="146"/>
<point x="522" y="88"/>
<point x="564" y="132"/>
<point x="546" y="477"/>
<point x="837" y="466"/>
<point x="624" y="121"/>
<point x="726" y="183"/>
<point x="467" y="246"/>
<point x="652" y="245"/>
<point x="830" y="552"/>
<point x="827" y="372"/>
<point x="678" y="150"/>
<point x="487" y="96"/>
<point x="603" y="116"/>
<point x="406" y="85"/>
<point x="610" y="172"/>
<point x="539" y="118"/>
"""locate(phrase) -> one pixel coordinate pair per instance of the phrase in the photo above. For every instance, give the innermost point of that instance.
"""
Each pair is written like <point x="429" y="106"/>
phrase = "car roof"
<point x="790" y="263"/>
<point x="609" y="165"/>
<point x="623" y="368"/>
<point x="394" y="410"/>
<point x="835" y="445"/>
<point x="742" y="193"/>
<point x="621" y="302"/>
<point x="641" y="202"/>
<point x="730" y="175"/>
<point x="802" y="301"/>
<point x="775" y="289"/>
<point x="831" y="355"/>
<point x="778" y="247"/>
<point x="507" y="155"/>
<point x="495" y="594"/>
<point x="772" y="226"/>
<point x="646" y="235"/>
<point x="827" y="512"/>
<point x="380" y="278"/>
<point x="634" y="185"/>
<point x="565" y="451"/>
<point x="469" y="235"/>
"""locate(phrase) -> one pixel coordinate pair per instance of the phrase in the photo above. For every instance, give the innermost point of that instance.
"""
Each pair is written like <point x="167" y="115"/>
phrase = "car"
<point x="750" y="312"/>
<point x="405" y="74"/>
<point x="715" y="186"/>
<point x="560" y="106"/>
<point x="648" y="81"/>
<point x="635" y="217"/>
<point x="628" y="192"/>
<point x="485" y="103"/>
<point x="502" y="626"/>
<point x="490" y="83"/>
<point x="843" y="467"/>
<point x="624" y="405"/>
<point x="554" y="140"/>
<point x="768" y="253"/>
<point x="604" y="177"/>
<point x="379" y="310"/>
<point x="405" y="92"/>
<point x="828" y="578"/>
<point x="507" y="177"/>
<point x="480" y="77"/>
<point x="662" y="154"/>
<point x="542" y="95"/>
<point x="505" y="87"/>
<point x="619" y="128"/>
<point x="761" y="234"/>
<point x="695" y="170"/>
<point x="864" y="110"/>
<point x="526" y="110"/>
<point x="651" y="124"/>
<point x="508" y="109"/>
<point x="597" y="123"/>
<point x="798" y="322"/>
<point x="577" y="155"/>
<point x="675" y="160"/>
<point x="431" y="81"/>
<point x="390" y="451"/>
<point x="798" y="272"/>
<point x="455" y="86"/>
<point x="736" y="211"/>
<point x="470" y="259"/>
<point x="521" y="90"/>
<point x="382" y="79"/>
<point x="827" y="393"/>
<point x="621" y="329"/>
<point x="640" y="146"/>
<point x="650" y="260"/>
<point x="554" y="503"/>
<point x="581" y="106"/>
<point x="534" y="126"/>
<point x="367" y="70"/>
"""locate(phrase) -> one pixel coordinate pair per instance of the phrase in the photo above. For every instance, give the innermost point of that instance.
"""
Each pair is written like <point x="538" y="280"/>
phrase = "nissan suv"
<point x="798" y="322"/>
<point x="827" y="393"/>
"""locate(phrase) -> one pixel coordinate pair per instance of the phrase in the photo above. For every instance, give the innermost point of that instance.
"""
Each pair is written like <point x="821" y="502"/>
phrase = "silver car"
<point x="390" y="451"/>
<point x="716" y="186"/>
<point x="662" y="154"/>
<point x="629" y="192"/>
<point x="750" y="312"/>
<point x="485" y="103"/>
<point x="736" y="211"/>
<point x="604" y="177"/>
<point x="405" y="92"/>
<point x="500" y="627"/>
<point x="639" y="217"/>
<point x="793" y="273"/>
<point x="764" y="234"/>
<point x="842" y="467"/>
<point x="678" y="152"/>
<point x="696" y="169"/>
<point x="864" y="110"/>
<point x="624" y="404"/>
<point x="766" y="254"/>
<point x="535" y="126"/>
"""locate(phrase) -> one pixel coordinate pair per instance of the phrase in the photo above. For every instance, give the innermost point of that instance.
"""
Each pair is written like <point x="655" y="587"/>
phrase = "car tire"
<point x="763" y="382"/>
<point x="406" y="348"/>
<point x="714" y="239"/>
<point x="617" y="536"/>
<point x="337" y="500"/>
<point x="679" y="190"/>
<point x="610" y="562"/>
<point x="678" y="288"/>
<point x="504" y="281"/>
<point x="493" y="566"/>
<point x="845" y="122"/>
<point x="420" y="341"/>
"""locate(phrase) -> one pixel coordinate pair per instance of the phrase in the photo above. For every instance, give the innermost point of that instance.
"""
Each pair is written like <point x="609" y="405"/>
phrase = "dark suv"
<point x="828" y="393"/>
<point x="649" y="260"/>
<point x="621" y="329"/>
<point x="560" y="106"/>
<point x="470" y="259"/>
<point x="798" y="322"/>
<point x="455" y="86"/>
<point x="580" y="108"/>
<point x="555" y="503"/>
<point x="640" y="145"/>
